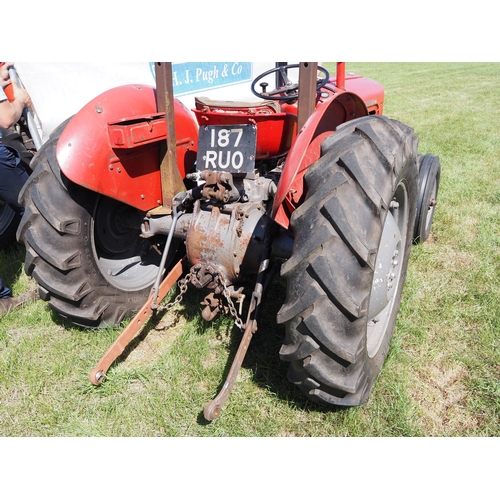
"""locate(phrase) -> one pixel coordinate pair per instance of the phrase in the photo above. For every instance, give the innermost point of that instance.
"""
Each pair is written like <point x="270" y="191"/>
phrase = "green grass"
<point x="441" y="377"/>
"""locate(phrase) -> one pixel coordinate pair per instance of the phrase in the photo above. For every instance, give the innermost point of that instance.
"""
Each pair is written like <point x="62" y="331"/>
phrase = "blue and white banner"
<point x="192" y="77"/>
<point x="59" y="90"/>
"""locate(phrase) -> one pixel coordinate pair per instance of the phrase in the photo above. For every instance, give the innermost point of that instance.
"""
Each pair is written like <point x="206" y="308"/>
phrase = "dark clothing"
<point x="4" y="291"/>
<point x="12" y="177"/>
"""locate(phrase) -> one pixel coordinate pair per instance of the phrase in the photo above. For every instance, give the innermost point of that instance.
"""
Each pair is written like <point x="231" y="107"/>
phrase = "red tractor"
<point x="135" y="192"/>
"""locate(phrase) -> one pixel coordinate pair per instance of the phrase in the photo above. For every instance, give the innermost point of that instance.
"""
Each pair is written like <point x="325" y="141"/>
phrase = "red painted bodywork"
<point x="354" y="97"/>
<point x="328" y="115"/>
<point x="112" y="145"/>
<point x="275" y="131"/>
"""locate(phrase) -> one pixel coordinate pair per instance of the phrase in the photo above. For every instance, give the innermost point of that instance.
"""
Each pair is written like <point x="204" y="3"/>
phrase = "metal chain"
<point x="238" y="321"/>
<point x="183" y="286"/>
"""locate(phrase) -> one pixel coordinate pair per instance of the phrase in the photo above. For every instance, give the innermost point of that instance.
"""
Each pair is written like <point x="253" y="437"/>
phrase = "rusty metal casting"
<point x="218" y="186"/>
<point x="231" y="239"/>
<point x="221" y="300"/>
<point x="213" y="305"/>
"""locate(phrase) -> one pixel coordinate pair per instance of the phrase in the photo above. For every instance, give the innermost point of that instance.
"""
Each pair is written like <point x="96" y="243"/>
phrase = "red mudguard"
<point x="328" y="115"/>
<point x="112" y="145"/>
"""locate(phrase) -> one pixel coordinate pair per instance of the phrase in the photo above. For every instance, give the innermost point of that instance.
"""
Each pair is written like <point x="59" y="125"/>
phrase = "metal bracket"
<point x="171" y="180"/>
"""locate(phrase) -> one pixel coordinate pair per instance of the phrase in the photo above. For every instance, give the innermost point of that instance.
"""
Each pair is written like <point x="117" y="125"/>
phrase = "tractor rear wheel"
<point x="353" y="234"/>
<point x="82" y="248"/>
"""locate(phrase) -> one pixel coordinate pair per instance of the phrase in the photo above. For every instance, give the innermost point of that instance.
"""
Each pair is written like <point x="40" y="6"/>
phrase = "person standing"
<point x="13" y="101"/>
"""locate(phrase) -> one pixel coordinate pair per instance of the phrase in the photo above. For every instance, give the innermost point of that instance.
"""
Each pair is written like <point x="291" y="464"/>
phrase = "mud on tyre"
<point x="353" y="234"/>
<point x="82" y="248"/>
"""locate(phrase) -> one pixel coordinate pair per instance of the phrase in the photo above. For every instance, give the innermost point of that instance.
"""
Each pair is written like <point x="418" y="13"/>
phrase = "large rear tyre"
<point x="353" y="235"/>
<point x="83" y="249"/>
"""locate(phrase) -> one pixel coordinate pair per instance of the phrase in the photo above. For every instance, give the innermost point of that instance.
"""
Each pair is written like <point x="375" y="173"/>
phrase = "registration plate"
<point x="227" y="149"/>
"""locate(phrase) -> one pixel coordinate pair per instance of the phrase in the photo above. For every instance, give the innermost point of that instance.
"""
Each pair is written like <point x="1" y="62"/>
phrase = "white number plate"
<point x="227" y="149"/>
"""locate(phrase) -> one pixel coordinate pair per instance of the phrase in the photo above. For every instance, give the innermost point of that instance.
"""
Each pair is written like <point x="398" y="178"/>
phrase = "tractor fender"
<point x="112" y="145"/>
<point x="339" y="108"/>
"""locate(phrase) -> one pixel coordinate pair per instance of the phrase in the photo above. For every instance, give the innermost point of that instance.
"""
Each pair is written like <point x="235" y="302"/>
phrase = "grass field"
<point x="442" y="374"/>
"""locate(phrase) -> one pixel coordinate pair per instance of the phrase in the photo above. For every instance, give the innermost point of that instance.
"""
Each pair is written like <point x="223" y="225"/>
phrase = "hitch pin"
<point x="240" y="301"/>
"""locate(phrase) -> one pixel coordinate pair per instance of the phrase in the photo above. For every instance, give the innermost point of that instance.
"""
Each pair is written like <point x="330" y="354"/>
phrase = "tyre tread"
<point x="54" y="230"/>
<point x="337" y="233"/>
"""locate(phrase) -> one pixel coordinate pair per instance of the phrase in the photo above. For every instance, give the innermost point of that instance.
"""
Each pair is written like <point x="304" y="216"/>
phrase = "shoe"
<point x="12" y="303"/>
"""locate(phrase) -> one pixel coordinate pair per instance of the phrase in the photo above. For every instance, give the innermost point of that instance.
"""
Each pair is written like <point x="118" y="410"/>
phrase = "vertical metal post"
<point x="279" y="79"/>
<point x="171" y="180"/>
<point x="308" y="77"/>
<point x="340" y="78"/>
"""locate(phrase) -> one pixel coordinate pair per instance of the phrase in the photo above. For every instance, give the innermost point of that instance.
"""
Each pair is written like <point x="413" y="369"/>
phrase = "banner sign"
<point x="191" y="77"/>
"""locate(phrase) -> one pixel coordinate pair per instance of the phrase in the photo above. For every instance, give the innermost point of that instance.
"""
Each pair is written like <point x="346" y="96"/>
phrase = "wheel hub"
<point x="384" y="279"/>
<point x="126" y="261"/>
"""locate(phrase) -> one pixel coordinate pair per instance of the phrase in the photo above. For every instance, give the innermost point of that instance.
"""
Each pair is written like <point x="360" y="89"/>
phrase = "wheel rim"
<point x="388" y="270"/>
<point x="125" y="260"/>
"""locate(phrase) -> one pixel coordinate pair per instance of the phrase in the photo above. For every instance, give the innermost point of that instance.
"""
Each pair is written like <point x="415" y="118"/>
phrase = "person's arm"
<point x="10" y="112"/>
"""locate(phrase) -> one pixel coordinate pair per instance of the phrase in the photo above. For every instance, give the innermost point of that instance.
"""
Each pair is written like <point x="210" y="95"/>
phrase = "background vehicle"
<point x="310" y="178"/>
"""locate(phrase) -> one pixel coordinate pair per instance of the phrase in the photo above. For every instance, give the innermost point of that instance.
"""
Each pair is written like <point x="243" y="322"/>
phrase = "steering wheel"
<point x="289" y="90"/>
